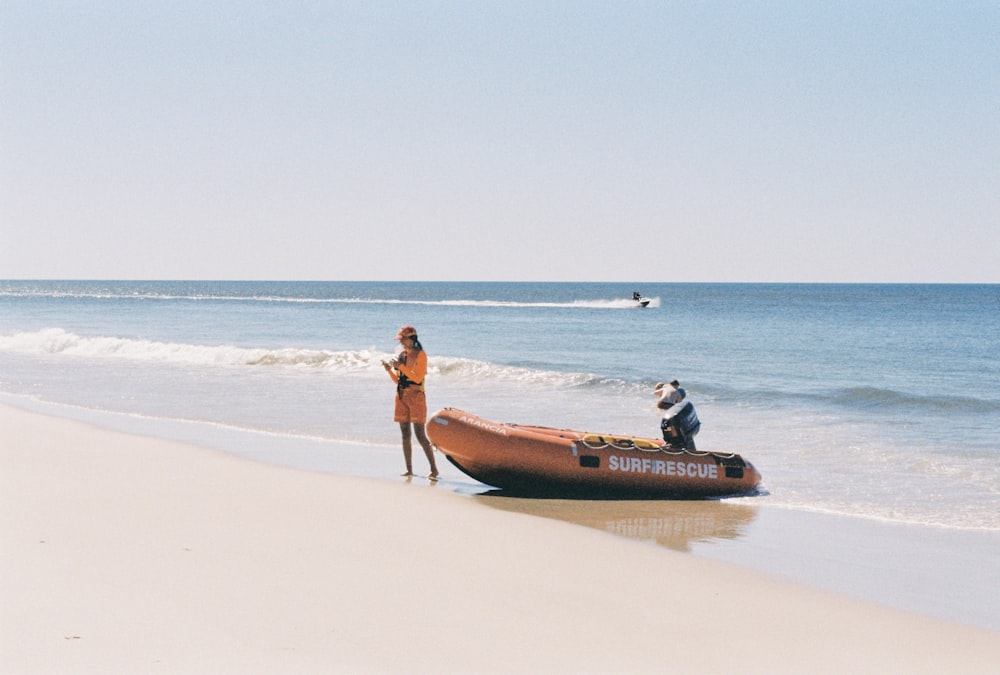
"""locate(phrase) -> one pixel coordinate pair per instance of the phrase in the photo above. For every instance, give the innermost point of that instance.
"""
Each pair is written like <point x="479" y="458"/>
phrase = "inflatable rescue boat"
<point x="542" y="460"/>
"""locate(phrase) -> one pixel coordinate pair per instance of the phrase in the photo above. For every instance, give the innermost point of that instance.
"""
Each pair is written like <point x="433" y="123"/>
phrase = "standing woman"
<point x="408" y="370"/>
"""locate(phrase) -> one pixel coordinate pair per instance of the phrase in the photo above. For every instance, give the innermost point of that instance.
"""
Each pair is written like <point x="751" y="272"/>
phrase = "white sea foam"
<point x="56" y="341"/>
<point x="59" y="342"/>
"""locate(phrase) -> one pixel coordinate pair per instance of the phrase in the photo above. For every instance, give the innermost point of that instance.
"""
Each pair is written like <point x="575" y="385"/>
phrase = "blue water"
<point x="880" y="401"/>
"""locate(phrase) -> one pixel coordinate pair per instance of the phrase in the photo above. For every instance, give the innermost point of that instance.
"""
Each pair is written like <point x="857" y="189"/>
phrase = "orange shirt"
<point x="415" y="367"/>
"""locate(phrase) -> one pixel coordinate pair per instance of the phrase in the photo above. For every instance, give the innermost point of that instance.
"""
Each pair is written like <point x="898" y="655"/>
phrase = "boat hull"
<point x="542" y="460"/>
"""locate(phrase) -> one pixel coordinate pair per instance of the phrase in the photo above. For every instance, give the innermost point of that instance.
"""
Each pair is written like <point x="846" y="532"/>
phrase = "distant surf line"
<point x="623" y="303"/>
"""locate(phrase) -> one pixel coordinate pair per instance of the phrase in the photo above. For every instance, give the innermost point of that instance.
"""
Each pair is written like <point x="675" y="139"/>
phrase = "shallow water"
<point x="878" y="401"/>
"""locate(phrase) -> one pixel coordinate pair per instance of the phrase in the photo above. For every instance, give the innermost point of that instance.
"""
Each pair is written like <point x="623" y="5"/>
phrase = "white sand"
<point x="129" y="554"/>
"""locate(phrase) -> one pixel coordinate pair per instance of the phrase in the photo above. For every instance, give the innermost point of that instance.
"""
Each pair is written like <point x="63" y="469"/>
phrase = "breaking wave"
<point x="56" y="341"/>
<point x="59" y="342"/>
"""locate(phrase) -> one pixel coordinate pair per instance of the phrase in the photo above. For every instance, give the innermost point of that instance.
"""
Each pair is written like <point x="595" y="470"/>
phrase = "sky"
<point x="501" y="141"/>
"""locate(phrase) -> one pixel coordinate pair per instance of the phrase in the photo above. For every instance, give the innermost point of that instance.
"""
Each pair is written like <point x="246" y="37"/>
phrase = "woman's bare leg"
<point x="428" y="449"/>
<point x="404" y="429"/>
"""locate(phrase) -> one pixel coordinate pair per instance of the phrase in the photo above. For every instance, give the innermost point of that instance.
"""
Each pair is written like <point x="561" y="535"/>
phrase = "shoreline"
<point x="133" y="553"/>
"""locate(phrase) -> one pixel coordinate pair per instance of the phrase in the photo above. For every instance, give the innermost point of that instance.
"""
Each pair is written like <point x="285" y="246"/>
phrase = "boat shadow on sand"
<point x="675" y="525"/>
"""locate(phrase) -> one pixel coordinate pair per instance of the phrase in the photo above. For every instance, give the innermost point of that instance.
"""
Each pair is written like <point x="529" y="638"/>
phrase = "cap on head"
<point x="406" y="332"/>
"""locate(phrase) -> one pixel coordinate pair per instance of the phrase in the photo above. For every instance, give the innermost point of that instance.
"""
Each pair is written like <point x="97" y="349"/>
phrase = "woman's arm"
<point x="416" y="371"/>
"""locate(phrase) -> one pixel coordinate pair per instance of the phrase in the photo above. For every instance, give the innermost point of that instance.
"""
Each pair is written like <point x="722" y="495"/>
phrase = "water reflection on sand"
<point x="673" y="524"/>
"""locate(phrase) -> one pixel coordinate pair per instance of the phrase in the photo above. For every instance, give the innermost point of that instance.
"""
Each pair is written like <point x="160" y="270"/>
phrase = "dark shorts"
<point x="411" y="406"/>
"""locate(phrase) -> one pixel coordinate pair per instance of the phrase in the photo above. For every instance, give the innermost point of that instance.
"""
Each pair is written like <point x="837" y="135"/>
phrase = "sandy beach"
<point x="124" y="553"/>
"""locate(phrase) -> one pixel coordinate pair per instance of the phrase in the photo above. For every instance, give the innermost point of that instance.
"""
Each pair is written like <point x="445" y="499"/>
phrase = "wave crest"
<point x="461" y="368"/>
<point x="59" y="342"/>
<point x="56" y="341"/>
<point x="888" y="399"/>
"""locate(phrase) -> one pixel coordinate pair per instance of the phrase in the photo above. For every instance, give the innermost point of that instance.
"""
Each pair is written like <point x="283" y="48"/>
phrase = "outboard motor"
<point x="680" y="425"/>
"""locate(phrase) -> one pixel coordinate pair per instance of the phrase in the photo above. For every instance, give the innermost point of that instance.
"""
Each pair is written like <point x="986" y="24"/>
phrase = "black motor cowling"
<point x="680" y="425"/>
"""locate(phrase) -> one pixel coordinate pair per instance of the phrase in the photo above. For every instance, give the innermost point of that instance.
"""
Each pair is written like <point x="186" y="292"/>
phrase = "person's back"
<point x="670" y="395"/>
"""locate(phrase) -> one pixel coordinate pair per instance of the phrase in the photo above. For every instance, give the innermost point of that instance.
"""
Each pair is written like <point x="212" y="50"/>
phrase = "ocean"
<point x="879" y="402"/>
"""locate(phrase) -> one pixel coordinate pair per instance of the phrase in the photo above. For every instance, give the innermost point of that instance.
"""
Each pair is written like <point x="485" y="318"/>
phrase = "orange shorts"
<point x="411" y="406"/>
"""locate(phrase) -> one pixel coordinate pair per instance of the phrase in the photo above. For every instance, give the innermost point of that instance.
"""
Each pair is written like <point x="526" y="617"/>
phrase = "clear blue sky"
<point x="640" y="141"/>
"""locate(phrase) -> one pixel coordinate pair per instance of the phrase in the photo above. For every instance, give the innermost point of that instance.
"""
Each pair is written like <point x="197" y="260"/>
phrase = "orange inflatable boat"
<point x="542" y="460"/>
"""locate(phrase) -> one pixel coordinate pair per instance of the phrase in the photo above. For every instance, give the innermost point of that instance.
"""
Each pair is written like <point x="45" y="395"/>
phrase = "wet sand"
<point x="940" y="572"/>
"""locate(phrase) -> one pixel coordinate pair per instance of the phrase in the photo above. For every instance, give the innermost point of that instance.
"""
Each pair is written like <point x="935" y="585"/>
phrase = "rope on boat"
<point x="630" y="444"/>
<point x="619" y="442"/>
<point x="624" y="443"/>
